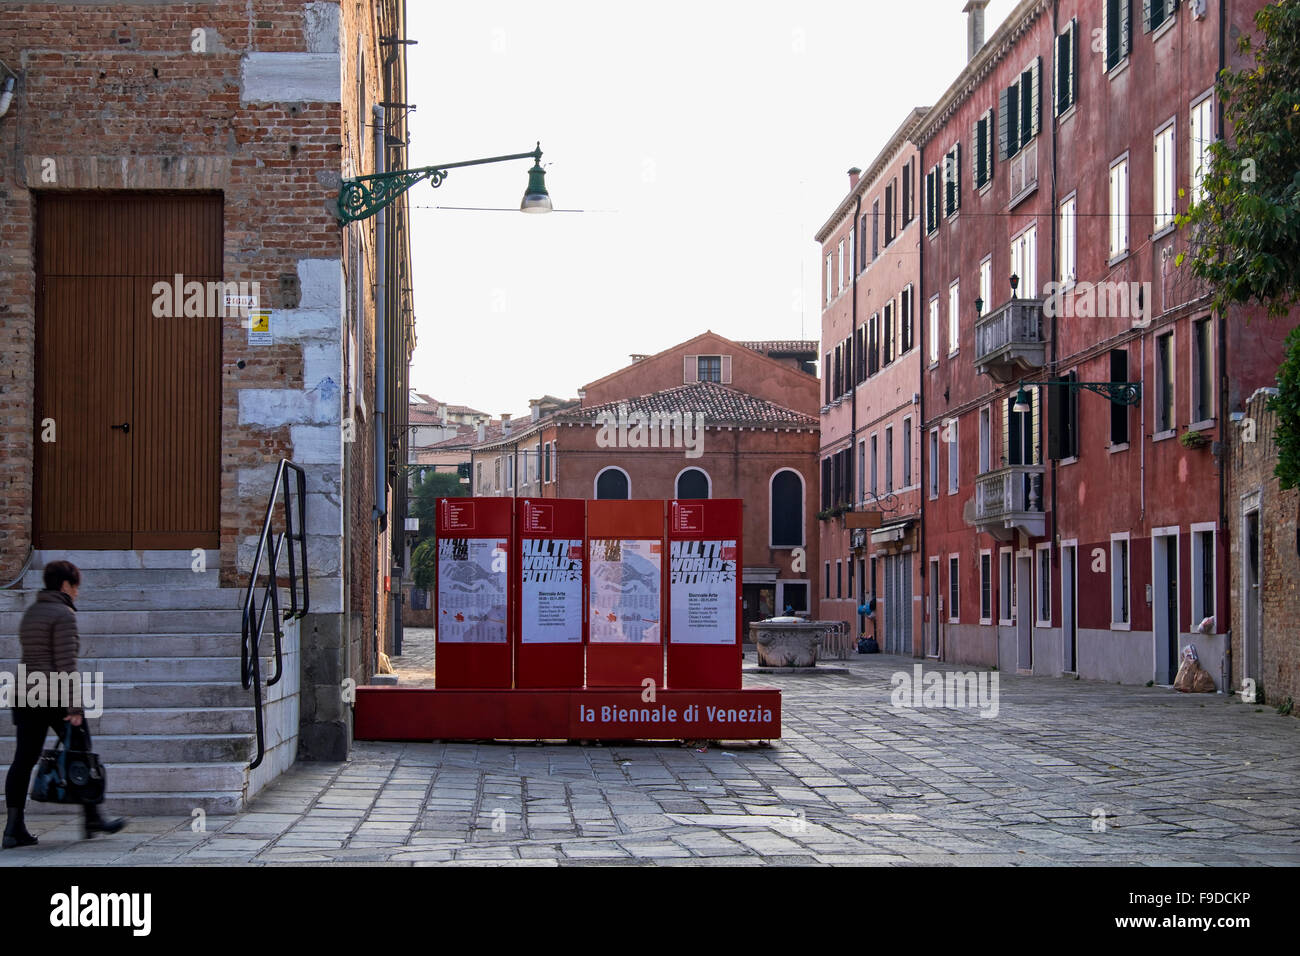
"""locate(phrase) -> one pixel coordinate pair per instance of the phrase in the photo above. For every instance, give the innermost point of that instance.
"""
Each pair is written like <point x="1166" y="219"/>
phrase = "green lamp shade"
<point x="536" y="199"/>
<point x="1021" y="405"/>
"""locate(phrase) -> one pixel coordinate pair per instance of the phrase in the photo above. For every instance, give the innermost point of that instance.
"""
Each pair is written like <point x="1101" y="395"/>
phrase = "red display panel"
<point x="551" y="584"/>
<point x="625" y="593"/>
<point x="704" y="593"/>
<point x="473" y="596"/>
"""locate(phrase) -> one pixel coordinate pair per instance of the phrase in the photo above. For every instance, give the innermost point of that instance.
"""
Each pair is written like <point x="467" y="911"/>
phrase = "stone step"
<point x="133" y="670"/>
<point x="174" y="720"/>
<point x="123" y="598"/>
<point x="176" y="777"/>
<point x="158" y="748"/>
<point x="125" y="559"/>
<point x="143" y="622"/>
<point x="184" y="578"/>
<point x="156" y="804"/>
<point x="149" y="645"/>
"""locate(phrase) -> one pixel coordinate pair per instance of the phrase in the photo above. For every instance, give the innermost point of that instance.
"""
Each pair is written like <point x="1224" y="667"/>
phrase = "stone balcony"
<point x="1009" y="340"/>
<point x="1010" y="500"/>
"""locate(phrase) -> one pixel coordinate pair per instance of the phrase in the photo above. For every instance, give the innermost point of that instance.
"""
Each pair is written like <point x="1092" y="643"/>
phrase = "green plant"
<point x="1286" y="403"/>
<point x="424" y="561"/>
<point x="1193" y="439"/>
<point x="1286" y="706"/>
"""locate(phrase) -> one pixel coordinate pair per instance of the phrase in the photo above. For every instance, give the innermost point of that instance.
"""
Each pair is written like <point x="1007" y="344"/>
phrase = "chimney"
<point x="442" y="413"/>
<point x="482" y="432"/>
<point x="505" y="424"/>
<point x="854" y="175"/>
<point x="974" y="11"/>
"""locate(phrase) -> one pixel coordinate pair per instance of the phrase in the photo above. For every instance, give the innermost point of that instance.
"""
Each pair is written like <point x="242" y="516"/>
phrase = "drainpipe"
<point x="1053" y="373"/>
<point x="853" y="394"/>
<point x="1224" y="431"/>
<point x="380" y="513"/>
<point x="923" y="326"/>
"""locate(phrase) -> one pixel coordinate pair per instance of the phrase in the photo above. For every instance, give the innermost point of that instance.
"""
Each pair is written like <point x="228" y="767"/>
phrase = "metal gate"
<point x="898" y="604"/>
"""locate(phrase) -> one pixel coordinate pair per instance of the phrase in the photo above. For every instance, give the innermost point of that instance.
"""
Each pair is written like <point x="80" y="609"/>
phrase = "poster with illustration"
<point x="702" y="591"/>
<point x="625" y="590"/>
<point x="472" y="590"/>
<point x="552" y="591"/>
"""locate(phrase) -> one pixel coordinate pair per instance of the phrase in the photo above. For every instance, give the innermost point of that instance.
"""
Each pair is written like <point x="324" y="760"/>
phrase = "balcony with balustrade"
<point x="1009" y="341"/>
<point x="1010" y="500"/>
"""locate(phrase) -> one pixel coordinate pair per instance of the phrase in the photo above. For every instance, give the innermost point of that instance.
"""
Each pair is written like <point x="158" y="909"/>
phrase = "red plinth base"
<point x="416" y="713"/>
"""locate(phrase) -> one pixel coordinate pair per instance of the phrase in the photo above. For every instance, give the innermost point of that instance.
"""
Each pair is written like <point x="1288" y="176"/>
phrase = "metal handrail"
<point x="254" y="619"/>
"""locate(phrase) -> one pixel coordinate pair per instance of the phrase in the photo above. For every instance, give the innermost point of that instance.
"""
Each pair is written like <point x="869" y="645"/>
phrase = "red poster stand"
<point x="554" y="531"/>
<point x="476" y="664"/>
<point x="704" y="539"/>
<point x="625" y="664"/>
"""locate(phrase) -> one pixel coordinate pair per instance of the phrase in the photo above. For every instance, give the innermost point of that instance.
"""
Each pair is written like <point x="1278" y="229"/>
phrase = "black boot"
<point x="97" y="824"/>
<point x="16" y="831"/>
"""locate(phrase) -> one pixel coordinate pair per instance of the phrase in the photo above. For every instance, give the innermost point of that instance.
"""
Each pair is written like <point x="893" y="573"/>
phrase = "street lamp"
<point x="1021" y="405"/>
<point x="1119" y="393"/>
<point x="361" y="197"/>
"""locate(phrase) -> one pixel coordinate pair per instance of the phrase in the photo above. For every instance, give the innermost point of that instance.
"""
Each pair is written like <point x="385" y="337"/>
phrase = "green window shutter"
<point x="988" y="144"/>
<point x="956" y="177"/>
<point x="1006" y="430"/>
<point x="1125" y="27"/>
<point x="1036" y="433"/>
<point x="1013" y="119"/>
<point x="1057" y="421"/>
<point x="1146" y="14"/>
<point x="1057" y="86"/>
<point x="1003" y="132"/>
<point x="1035" y="86"/>
<point x="1073" y="74"/>
<point x="977" y="154"/>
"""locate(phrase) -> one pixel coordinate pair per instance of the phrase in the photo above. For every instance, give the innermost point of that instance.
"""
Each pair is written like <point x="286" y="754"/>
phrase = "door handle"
<point x="125" y="427"/>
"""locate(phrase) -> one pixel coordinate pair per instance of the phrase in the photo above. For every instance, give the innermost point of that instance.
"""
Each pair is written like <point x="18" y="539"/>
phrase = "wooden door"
<point x="132" y="400"/>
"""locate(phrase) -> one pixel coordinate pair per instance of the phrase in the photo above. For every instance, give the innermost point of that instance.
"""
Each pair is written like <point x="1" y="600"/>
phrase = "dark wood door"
<point x="131" y="399"/>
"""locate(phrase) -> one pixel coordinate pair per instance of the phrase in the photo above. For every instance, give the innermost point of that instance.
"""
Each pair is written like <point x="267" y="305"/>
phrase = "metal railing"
<point x="270" y="549"/>
<point x="837" y="640"/>
<point x="1011" y="333"/>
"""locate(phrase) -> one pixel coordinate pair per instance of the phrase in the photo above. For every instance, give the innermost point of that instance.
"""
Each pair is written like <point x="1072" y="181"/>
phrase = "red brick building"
<point x="870" y="416"/>
<point x="708" y="418"/>
<point x="1081" y="534"/>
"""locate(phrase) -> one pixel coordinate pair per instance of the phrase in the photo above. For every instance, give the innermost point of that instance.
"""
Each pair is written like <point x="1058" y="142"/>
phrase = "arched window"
<point x="786" y="509"/>
<point x="693" y="483"/>
<point x="612" y="484"/>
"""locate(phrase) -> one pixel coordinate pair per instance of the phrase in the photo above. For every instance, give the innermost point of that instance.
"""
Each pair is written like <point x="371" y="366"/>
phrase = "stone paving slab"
<point x="1068" y="773"/>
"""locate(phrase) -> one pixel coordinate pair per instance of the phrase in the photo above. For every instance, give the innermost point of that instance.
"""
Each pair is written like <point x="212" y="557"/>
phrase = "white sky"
<point x="706" y="141"/>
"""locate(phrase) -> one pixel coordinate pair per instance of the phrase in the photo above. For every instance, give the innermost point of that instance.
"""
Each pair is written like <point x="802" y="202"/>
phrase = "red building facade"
<point x="1076" y="384"/>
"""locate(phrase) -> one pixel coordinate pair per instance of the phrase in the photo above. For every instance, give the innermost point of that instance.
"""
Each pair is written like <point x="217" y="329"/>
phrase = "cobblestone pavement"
<point x="1183" y="779"/>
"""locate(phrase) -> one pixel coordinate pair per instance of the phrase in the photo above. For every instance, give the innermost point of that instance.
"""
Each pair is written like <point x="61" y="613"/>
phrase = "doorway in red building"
<point x="1164" y="604"/>
<point x="1069" y="615"/>
<point x="128" y="385"/>
<point x="1024" y="612"/>
<point x="760" y="599"/>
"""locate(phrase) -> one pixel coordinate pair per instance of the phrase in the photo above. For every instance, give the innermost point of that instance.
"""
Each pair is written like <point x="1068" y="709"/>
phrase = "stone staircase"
<point x="177" y="731"/>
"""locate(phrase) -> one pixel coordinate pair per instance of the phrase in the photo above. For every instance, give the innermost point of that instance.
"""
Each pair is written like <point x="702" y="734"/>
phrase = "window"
<point x="1119" y="582"/>
<point x="862" y="242"/>
<point x="1155" y="13"/>
<point x="889" y="332"/>
<point x="875" y="461"/>
<point x="1043" y="614"/>
<point x="954" y="325"/>
<point x="1020" y="430"/>
<point x="1006" y="586"/>
<point x="830" y="279"/>
<point x="986" y="285"/>
<point x="793" y="596"/>
<point x="934" y="463"/>
<point x="1163" y="178"/>
<point x="853" y="247"/>
<point x="986" y="587"/>
<point x="496" y="478"/>
<point x="1024" y="262"/>
<point x="934" y="330"/>
<point x="786" y="509"/>
<point x="1117" y="31"/>
<point x="1119" y="414"/>
<point x="890" y="192"/>
<point x="1119" y="208"/>
<point x="848" y="563"/>
<point x="932" y="182"/>
<point x="862" y="470"/>
<point x="826" y="576"/>
<point x="840" y="271"/>
<point x="612" y="485"/>
<point x="860" y="354"/>
<point x="889" y="458"/>
<point x="873" y="344"/>
<point x="954" y="593"/>
<point x="982" y="154"/>
<point x="827" y="503"/>
<point x="546" y="463"/>
<point x="826" y="375"/>
<point x="555" y="463"/>
<point x="1018" y="111"/>
<point x="1063" y="425"/>
<point x="1067" y="268"/>
<point x="907" y="452"/>
<point x="838" y="390"/>
<point x="906" y="340"/>
<point x="952" y="180"/>
<point x="693" y="483"/>
<point x="954" y="474"/>
<point x="1202" y="370"/>
<point x="1164" y="359"/>
<point x="907" y="191"/>
<point x="1065" y="73"/>
<point x="1203" y="570"/>
<point x="986" y="437"/>
<point x="875" y="229"/>
<point x="1202" y="133"/>
<point x="839" y="579"/>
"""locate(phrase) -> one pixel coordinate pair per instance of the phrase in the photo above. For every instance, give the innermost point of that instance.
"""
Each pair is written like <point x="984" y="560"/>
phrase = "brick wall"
<point x="1253" y="486"/>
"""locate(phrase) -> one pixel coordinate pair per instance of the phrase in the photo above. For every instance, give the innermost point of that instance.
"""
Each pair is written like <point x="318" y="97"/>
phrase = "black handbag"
<point x="65" y="775"/>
